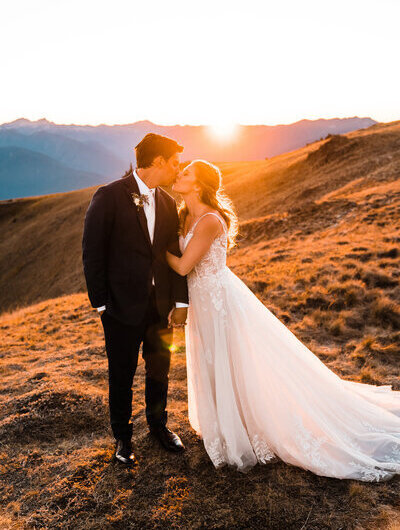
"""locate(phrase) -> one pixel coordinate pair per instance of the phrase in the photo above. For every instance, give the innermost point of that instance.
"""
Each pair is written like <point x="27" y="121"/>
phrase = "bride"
<point x="255" y="391"/>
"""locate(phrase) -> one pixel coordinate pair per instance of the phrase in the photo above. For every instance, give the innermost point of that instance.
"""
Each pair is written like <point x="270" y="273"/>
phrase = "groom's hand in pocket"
<point x="177" y="317"/>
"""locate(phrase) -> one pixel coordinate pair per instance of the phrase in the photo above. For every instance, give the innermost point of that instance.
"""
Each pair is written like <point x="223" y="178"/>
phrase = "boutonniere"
<point x="140" y="200"/>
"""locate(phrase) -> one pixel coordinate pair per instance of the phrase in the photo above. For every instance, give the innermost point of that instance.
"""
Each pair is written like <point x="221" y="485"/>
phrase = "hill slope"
<point x="56" y="458"/>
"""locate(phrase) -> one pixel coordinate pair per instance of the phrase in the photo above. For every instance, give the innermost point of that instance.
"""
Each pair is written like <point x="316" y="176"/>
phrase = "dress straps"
<point x="209" y="213"/>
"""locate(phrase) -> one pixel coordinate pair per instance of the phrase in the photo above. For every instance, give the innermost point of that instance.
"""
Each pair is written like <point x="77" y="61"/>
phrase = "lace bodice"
<point x="213" y="262"/>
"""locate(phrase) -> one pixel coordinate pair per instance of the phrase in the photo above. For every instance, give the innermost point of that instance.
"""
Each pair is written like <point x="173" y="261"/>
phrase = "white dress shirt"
<point x="150" y="213"/>
<point x="150" y="208"/>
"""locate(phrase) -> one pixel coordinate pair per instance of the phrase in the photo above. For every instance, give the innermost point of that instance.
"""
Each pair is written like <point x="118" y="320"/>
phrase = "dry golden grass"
<point x="56" y="454"/>
<point x="319" y="246"/>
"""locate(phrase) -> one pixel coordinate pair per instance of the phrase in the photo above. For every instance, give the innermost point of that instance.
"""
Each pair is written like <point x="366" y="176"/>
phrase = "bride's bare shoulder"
<point x="210" y="224"/>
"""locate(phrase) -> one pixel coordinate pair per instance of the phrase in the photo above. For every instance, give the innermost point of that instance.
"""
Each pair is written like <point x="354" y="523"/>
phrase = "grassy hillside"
<point x="56" y="456"/>
<point x="40" y="251"/>
<point x="319" y="246"/>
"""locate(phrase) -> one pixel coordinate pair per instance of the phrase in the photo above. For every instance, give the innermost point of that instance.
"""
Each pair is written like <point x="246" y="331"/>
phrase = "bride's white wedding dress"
<point x="256" y="392"/>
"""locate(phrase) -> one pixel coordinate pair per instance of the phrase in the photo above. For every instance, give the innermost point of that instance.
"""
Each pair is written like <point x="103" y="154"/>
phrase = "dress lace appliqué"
<point x="208" y="277"/>
<point x="262" y="450"/>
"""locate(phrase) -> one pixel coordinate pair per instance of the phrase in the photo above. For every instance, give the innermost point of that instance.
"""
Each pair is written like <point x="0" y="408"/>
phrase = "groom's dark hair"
<point x="153" y="145"/>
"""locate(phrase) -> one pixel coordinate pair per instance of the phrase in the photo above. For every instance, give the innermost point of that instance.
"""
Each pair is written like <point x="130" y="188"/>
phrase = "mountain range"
<point x="39" y="157"/>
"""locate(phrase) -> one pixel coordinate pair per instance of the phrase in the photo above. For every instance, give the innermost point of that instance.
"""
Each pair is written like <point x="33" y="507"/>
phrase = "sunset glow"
<point x="223" y="131"/>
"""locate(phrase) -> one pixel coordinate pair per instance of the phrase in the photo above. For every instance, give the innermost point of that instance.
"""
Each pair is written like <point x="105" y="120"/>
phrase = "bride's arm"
<point x="206" y="231"/>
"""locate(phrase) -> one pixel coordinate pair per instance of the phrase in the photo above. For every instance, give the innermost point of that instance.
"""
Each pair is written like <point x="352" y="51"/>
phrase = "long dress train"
<point x="256" y="392"/>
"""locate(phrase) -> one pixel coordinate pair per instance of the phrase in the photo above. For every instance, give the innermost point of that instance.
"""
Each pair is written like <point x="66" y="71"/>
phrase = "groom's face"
<point x="168" y="170"/>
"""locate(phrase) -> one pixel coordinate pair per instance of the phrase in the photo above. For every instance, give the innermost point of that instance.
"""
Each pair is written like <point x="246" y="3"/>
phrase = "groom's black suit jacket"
<point x="119" y="259"/>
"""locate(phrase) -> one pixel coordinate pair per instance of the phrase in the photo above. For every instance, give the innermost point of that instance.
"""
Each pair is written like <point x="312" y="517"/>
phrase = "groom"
<point x="129" y="225"/>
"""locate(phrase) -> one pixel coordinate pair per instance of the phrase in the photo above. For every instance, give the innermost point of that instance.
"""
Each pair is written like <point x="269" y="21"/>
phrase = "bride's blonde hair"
<point x="208" y="177"/>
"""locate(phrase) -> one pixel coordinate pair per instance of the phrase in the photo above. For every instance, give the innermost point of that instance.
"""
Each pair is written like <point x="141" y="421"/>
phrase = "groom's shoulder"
<point x="113" y="186"/>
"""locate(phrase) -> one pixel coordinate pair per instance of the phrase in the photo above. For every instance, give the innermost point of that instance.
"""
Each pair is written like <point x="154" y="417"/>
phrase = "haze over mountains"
<point x="40" y="157"/>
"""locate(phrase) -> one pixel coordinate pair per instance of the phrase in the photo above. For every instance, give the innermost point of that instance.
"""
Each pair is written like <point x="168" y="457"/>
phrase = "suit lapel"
<point x="132" y="187"/>
<point x="159" y="214"/>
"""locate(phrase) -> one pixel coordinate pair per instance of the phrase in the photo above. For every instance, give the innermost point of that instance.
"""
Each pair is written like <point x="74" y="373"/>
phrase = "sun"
<point x="223" y="131"/>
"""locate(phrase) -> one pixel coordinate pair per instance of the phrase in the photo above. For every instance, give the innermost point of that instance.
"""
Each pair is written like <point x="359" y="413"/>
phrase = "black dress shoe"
<point x="168" y="439"/>
<point x="124" y="453"/>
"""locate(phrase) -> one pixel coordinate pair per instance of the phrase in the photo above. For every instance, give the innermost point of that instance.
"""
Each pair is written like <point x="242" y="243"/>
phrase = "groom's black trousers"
<point x="122" y="346"/>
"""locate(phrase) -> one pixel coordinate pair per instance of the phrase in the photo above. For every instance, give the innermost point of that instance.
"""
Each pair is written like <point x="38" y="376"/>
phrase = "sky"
<point x="207" y="62"/>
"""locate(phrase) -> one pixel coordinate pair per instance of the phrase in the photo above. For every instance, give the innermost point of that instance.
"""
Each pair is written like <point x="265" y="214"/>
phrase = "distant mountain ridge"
<point x="39" y="173"/>
<point x="82" y="155"/>
<point x="80" y="152"/>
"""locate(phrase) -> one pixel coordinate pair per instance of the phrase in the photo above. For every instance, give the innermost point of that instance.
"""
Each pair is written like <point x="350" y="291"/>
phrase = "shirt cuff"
<point x="102" y="308"/>
<point x="181" y="304"/>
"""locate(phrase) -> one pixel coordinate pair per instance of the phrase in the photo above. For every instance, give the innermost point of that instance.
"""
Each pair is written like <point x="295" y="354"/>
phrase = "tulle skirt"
<point x="256" y="392"/>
